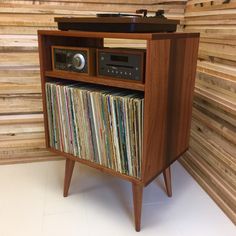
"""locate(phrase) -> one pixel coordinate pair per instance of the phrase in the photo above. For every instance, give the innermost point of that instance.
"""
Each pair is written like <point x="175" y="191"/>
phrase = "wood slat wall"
<point x="21" y="120"/>
<point x="211" y="158"/>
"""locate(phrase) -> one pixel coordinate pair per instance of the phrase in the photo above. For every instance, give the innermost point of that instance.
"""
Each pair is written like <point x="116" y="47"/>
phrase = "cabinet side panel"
<point x="168" y="102"/>
<point x="155" y="107"/>
<point x="183" y="62"/>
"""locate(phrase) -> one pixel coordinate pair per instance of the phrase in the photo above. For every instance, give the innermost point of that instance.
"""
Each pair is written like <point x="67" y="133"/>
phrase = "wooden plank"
<point x="21" y="119"/>
<point x="197" y="2"/>
<point x="211" y="29"/>
<point x="15" y="129"/>
<point x="210" y="22"/>
<point x="220" y="36"/>
<point x="227" y="52"/>
<point x="215" y="144"/>
<point x="16" y="136"/>
<point x="214" y="158"/>
<point x="23" y="87"/>
<point x="23" y="30"/>
<point x="228" y="100"/>
<point x="18" y="79"/>
<point x="27" y="20"/>
<point x="23" y="159"/>
<point x="81" y="9"/>
<point x="218" y="183"/>
<point x="19" y="72"/>
<point x="218" y="110"/>
<point x="211" y="13"/>
<point x="212" y="5"/>
<point x="18" y="144"/>
<point x="222" y="61"/>
<point x="12" y="104"/>
<point x="19" y="82"/>
<point x="217" y="84"/>
<point x="225" y="41"/>
<point x="214" y="16"/>
<point x="19" y="59"/>
<point x="226" y="147"/>
<point x="216" y="69"/>
<point x="26" y="155"/>
<point x="16" y="43"/>
<point x="219" y="102"/>
<point x="198" y="173"/>
<point x="220" y="127"/>
<point x="130" y="2"/>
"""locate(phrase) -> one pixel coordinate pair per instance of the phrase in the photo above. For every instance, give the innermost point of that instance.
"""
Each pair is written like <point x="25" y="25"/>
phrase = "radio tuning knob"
<point x="78" y="61"/>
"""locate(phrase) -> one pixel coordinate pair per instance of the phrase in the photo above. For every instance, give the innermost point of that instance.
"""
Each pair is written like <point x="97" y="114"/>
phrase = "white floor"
<point x="31" y="204"/>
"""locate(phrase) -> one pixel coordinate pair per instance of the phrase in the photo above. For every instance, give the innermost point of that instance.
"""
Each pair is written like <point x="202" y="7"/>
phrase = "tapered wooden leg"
<point x="137" y="201"/>
<point x="68" y="174"/>
<point x="167" y="179"/>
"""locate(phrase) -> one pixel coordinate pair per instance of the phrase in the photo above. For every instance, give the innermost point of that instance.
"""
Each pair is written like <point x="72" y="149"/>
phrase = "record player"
<point x="121" y="23"/>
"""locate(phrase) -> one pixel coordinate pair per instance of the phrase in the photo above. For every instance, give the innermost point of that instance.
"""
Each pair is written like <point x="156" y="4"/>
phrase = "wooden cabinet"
<point x="168" y="92"/>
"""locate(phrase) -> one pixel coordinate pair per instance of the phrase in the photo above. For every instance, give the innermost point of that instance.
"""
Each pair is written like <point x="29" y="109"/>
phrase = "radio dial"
<point x="78" y="61"/>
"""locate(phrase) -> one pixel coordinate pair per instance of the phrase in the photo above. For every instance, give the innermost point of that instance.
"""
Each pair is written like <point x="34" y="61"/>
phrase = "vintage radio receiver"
<point x="74" y="59"/>
<point x="121" y="63"/>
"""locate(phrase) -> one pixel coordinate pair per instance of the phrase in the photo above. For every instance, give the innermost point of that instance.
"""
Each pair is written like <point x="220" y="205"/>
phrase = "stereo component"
<point x="128" y="64"/>
<point x="74" y="59"/>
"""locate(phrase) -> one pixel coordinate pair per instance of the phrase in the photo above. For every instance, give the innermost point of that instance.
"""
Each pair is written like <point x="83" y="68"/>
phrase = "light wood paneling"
<point x="211" y="158"/>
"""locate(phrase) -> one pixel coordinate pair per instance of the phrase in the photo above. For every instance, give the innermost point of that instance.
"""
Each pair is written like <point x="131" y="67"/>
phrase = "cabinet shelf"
<point x="96" y="80"/>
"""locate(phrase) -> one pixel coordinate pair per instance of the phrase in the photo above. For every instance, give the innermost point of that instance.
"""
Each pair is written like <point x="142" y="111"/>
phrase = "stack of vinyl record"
<point x="99" y="124"/>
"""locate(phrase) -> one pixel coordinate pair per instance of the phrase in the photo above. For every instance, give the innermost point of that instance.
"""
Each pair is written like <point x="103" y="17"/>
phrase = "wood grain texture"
<point x="211" y="157"/>
<point x="169" y="118"/>
<point x="69" y="167"/>
<point x="137" y="202"/>
<point x="155" y="125"/>
<point x="167" y="179"/>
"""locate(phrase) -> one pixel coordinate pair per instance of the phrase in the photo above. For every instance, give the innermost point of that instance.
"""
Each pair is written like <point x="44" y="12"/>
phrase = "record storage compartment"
<point x="97" y="123"/>
<point x="168" y="85"/>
